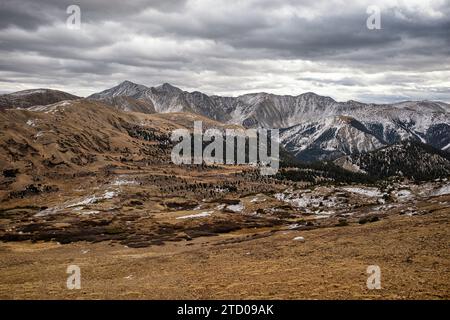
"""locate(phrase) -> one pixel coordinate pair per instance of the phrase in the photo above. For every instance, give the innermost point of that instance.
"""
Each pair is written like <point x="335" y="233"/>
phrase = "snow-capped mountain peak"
<point x="313" y="126"/>
<point x="167" y="87"/>
<point x="125" y="88"/>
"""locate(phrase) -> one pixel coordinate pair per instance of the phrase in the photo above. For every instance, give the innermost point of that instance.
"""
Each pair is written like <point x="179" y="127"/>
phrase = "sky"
<point x="231" y="47"/>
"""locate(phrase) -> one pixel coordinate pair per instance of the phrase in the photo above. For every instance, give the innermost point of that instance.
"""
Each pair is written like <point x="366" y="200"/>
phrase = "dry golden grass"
<point x="412" y="253"/>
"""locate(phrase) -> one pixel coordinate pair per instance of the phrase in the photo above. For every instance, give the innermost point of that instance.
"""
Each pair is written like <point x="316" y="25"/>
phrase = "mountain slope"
<point x="82" y="137"/>
<point x="312" y="126"/>
<point x="125" y="103"/>
<point x="164" y="98"/>
<point x="329" y="138"/>
<point x="410" y="159"/>
<point x="28" y="98"/>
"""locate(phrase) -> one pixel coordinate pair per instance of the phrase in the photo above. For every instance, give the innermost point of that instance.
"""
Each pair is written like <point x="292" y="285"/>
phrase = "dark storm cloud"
<point x="230" y="47"/>
<point x="30" y="14"/>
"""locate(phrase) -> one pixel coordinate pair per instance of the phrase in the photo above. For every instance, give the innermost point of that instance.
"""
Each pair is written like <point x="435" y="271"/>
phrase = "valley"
<point x="412" y="252"/>
<point x="84" y="182"/>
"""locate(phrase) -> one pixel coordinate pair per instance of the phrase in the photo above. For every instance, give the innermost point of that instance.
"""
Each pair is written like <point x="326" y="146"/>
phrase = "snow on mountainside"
<point x="126" y="88"/>
<point x="312" y="127"/>
<point x="410" y="159"/>
<point x="125" y="103"/>
<point x="328" y="138"/>
<point x="251" y="110"/>
<point x="164" y="98"/>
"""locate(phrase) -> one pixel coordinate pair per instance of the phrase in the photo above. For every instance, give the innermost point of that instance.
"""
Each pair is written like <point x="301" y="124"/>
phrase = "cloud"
<point x="230" y="48"/>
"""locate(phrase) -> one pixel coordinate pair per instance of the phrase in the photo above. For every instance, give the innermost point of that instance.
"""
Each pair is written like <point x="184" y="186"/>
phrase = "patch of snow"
<point x="123" y="182"/>
<point x="442" y="190"/>
<point x="325" y="212"/>
<point x="321" y="216"/>
<point x="31" y="123"/>
<point x="306" y="200"/>
<point x="403" y="194"/>
<point x="51" y="108"/>
<point x="280" y="196"/>
<point x="257" y="199"/>
<point x="47" y="212"/>
<point x="92" y="199"/>
<point x="85" y="201"/>
<point x="90" y="212"/>
<point x="384" y="207"/>
<point x="446" y="147"/>
<point x="236" y="207"/>
<point x="220" y="206"/>
<point x="109" y="194"/>
<point x="368" y="192"/>
<point x="41" y="133"/>
<point x="197" y="215"/>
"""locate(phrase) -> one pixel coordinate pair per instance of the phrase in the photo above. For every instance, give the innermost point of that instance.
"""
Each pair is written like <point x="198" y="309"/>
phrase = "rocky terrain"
<point x="410" y="159"/>
<point x="313" y="127"/>
<point x="90" y="181"/>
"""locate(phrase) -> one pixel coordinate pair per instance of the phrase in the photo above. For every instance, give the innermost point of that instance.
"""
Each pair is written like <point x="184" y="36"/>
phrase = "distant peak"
<point x="351" y="101"/>
<point x="168" y="87"/>
<point x="31" y="91"/>
<point x="128" y="83"/>
<point x="315" y="96"/>
<point x="309" y="93"/>
<point x="125" y="88"/>
<point x="39" y="91"/>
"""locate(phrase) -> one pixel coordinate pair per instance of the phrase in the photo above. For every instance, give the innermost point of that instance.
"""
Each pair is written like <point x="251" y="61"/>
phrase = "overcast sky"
<point x="231" y="47"/>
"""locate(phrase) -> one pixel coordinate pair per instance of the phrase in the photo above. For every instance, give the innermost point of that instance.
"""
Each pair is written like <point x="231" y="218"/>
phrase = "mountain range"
<point x="312" y="127"/>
